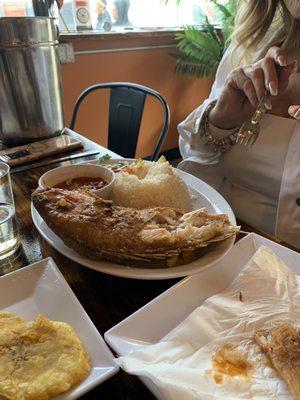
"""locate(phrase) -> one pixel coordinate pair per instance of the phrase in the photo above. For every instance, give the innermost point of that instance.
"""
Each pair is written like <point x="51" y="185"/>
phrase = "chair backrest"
<point x="126" y="107"/>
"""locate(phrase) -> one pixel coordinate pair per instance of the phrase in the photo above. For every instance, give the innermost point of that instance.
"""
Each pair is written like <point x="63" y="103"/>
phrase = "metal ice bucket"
<point x="30" y="88"/>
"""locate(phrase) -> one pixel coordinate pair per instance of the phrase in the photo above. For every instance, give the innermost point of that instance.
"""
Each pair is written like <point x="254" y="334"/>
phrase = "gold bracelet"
<point x="221" y="145"/>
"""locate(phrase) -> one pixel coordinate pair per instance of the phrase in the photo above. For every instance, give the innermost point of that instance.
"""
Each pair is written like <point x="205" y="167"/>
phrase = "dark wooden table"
<point x="106" y="299"/>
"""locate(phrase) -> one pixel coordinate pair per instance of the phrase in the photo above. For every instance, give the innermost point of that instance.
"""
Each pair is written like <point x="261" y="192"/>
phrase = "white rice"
<point x="150" y="184"/>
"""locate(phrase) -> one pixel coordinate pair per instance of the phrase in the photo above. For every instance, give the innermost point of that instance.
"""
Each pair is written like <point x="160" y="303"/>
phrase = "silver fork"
<point x="250" y="129"/>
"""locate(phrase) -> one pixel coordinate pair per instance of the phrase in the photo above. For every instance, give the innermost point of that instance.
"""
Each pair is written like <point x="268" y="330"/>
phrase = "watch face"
<point x="83" y="15"/>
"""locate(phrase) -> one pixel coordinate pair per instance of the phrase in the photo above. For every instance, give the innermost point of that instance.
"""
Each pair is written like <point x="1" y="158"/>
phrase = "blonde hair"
<point x="260" y="24"/>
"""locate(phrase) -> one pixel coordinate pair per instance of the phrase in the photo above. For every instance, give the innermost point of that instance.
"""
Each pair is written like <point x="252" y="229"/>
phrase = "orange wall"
<point x="153" y="68"/>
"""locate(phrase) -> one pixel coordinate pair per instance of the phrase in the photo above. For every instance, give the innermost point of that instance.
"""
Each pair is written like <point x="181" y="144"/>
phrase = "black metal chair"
<point x="127" y="101"/>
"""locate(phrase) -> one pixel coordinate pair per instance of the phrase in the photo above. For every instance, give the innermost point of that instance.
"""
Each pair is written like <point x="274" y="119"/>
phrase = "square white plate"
<point x="40" y="288"/>
<point x="156" y="319"/>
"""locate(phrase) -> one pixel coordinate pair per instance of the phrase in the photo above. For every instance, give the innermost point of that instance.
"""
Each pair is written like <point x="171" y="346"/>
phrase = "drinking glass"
<point x="9" y="237"/>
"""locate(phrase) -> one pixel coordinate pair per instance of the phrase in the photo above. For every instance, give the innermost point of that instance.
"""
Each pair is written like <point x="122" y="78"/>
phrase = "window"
<point x="120" y="15"/>
<point x="16" y="8"/>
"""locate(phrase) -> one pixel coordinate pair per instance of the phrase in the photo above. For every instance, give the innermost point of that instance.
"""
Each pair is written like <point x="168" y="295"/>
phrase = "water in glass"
<point x="8" y="230"/>
<point x="9" y="238"/>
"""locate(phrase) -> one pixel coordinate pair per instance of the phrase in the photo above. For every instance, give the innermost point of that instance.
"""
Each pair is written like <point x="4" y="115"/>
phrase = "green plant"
<point x="201" y="49"/>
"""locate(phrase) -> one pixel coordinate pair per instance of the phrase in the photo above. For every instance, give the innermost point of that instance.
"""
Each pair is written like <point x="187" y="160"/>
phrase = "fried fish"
<point x="282" y="345"/>
<point x="40" y="359"/>
<point x="95" y="228"/>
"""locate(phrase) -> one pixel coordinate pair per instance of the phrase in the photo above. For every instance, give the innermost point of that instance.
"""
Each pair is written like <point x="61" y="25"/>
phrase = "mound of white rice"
<point x="150" y="184"/>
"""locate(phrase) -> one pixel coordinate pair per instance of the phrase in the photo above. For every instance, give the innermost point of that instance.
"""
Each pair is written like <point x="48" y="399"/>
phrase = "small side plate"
<point x="41" y="289"/>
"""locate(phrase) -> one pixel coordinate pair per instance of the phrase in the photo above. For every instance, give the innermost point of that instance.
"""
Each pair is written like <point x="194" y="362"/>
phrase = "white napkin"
<point x="178" y="364"/>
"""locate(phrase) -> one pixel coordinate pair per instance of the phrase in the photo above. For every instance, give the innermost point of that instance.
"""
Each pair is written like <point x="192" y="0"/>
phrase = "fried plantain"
<point x="40" y="359"/>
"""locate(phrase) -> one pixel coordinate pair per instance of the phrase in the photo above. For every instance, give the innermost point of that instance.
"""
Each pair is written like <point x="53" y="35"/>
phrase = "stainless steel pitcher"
<point x="30" y="88"/>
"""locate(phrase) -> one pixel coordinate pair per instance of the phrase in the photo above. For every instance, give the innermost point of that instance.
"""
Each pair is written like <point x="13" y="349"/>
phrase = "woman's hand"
<point x="246" y="86"/>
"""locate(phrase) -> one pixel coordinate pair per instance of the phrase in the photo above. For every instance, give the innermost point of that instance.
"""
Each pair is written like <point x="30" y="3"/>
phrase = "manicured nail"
<point x="268" y="104"/>
<point x="281" y="61"/>
<point x="273" y="88"/>
<point x="293" y="110"/>
<point x="297" y="115"/>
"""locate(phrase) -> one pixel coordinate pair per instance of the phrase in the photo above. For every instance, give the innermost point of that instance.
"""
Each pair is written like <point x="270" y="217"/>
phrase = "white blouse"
<point x="248" y="177"/>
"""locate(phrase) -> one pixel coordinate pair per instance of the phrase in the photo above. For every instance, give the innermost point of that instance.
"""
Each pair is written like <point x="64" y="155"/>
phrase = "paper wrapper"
<point x="264" y="294"/>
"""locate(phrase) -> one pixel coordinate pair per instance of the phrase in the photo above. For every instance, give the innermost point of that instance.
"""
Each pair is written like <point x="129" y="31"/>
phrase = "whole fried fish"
<point x="95" y="228"/>
<point x="282" y="345"/>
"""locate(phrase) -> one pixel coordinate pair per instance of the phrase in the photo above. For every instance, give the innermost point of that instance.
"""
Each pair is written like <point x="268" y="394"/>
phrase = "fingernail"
<point x="273" y="88"/>
<point x="268" y="105"/>
<point x="297" y="115"/>
<point x="293" y="110"/>
<point x="281" y="61"/>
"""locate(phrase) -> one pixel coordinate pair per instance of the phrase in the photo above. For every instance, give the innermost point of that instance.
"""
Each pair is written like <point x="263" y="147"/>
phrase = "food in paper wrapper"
<point x="242" y="343"/>
<point x="282" y="345"/>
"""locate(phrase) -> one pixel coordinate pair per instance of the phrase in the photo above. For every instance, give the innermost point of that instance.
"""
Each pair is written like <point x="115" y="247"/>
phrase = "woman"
<point x="103" y="17"/>
<point x="120" y="13"/>
<point x="262" y="182"/>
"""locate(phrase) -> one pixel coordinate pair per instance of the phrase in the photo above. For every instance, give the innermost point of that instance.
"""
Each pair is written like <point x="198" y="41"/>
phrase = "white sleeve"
<point x="192" y="143"/>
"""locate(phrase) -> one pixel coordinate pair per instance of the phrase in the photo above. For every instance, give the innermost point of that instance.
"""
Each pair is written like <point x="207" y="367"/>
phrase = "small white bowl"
<point x="61" y="174"/>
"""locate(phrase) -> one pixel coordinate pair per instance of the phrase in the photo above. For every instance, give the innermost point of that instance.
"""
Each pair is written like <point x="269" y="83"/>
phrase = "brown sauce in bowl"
<point x="82" y="183"/>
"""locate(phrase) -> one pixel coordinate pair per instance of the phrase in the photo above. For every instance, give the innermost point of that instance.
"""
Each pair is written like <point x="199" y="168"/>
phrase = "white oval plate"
<point x="206" y="197"/>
